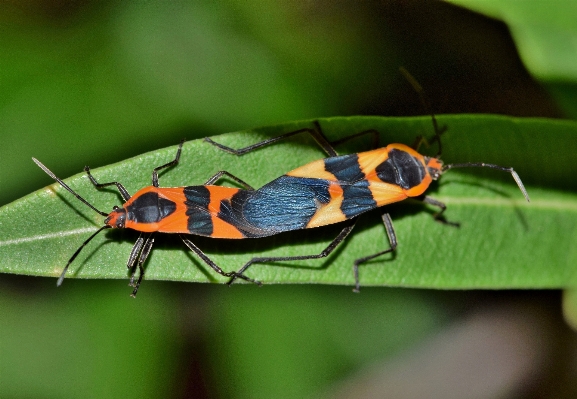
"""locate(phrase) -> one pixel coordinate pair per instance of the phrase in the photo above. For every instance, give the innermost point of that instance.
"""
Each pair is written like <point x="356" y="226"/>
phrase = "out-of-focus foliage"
<point x="546" y="38"/>
<point x="545" y="34"/>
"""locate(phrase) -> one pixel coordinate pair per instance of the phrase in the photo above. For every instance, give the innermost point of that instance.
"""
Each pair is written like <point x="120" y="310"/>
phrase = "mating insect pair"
<point x="331" y="190"/>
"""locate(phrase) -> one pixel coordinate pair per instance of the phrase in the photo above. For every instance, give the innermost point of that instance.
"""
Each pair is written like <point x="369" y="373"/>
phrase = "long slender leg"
<point x="439" y="215"/>
<point x="141" y="259"/>
<point x="326" y="252"/>
<point x="218" y="175"/>
<point x="123" y="191"/>
<point x="134" y="252"/>
<point x="213" y="265"/>
<point x="315" y="133"/>
<point x="166" y="165"/>
<point x="375" y="133"/>
<point x="392" y="241"/>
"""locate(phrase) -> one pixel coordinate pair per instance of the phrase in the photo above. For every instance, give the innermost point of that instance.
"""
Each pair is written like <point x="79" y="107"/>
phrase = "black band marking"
<point x="357" y="197"/>
<point x="199" y="218"/>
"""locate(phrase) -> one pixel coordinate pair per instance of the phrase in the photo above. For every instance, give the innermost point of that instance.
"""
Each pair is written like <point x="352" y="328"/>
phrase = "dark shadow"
<point x="501" y="193"/>
<point x="71" y="202"/>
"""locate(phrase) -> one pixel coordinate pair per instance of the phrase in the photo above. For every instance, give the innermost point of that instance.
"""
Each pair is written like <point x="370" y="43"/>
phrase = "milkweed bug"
<point x="342" y="187"/>
<point x="327" y="191"/>
<point x="180" y="210"/>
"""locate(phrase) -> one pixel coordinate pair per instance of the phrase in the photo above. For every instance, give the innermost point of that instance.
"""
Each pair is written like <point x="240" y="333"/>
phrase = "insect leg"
<point x="392" y="241"/>
<point x="123" y="191"/>
<point x="134" y="255"/>
<point x="316" y="134"/>
<point x="375" y="133"/>
<point x="439" y="215"/>
<point x="326" y="252"/>
<point x="141" y="259"/>
<point x="218" y="175"/>
<point x="213" y="265"/>
<point x="166" y="165"/>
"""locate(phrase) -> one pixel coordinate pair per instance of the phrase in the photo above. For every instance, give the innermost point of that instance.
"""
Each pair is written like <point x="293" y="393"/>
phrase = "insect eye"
<point x="114" y="208"/>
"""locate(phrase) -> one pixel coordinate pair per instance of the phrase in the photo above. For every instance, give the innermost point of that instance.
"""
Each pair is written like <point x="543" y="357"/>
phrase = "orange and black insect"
<point x="327" y="191"/>
<point x="180" y="210"/>
<point x="339" y="189"/>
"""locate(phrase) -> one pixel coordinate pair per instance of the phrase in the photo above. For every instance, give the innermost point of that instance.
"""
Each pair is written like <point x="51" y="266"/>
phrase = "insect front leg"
<point x="166" y="165"/>
<point x="146" y="249"/>
<point x="439" y="215"/>
<point x="135" y="252"/>
<point x="138" y="255"/>
<point x="123" y="192"/>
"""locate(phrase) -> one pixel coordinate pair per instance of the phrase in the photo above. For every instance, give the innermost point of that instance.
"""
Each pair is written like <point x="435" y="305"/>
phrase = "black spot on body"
<point x="345" y="168"/>
<point x="150" y="208"/>
<point x="402" y="169"/>
<point x="357" y="198"/>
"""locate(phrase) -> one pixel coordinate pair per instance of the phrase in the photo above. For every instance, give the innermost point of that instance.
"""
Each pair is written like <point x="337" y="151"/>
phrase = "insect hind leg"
<point x="213" y="265"/>
<point x="387" y="221"/>
<point x="323" y="254"/>
<point x="315" y="133"/>
<point x="221" y="173"/>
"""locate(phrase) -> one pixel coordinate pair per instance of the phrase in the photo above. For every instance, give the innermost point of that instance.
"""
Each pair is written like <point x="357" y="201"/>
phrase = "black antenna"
<point x="52" y="175"/>
<point x="427" y="106"/>
<point x="61" y="278"/>
<point x="492" y="166"/>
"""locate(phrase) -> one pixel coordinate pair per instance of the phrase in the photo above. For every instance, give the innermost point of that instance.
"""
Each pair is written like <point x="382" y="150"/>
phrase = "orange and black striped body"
<point x="323" y="192"/>
<point x="184" y="210"/>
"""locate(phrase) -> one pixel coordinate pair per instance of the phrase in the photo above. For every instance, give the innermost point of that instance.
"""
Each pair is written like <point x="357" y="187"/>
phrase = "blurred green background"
<point x="90" y="83"/>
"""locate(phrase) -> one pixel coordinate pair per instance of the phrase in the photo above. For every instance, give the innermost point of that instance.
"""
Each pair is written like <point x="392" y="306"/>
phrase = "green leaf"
<point x="545" y="33"/>
<point x="503" y="242"/>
